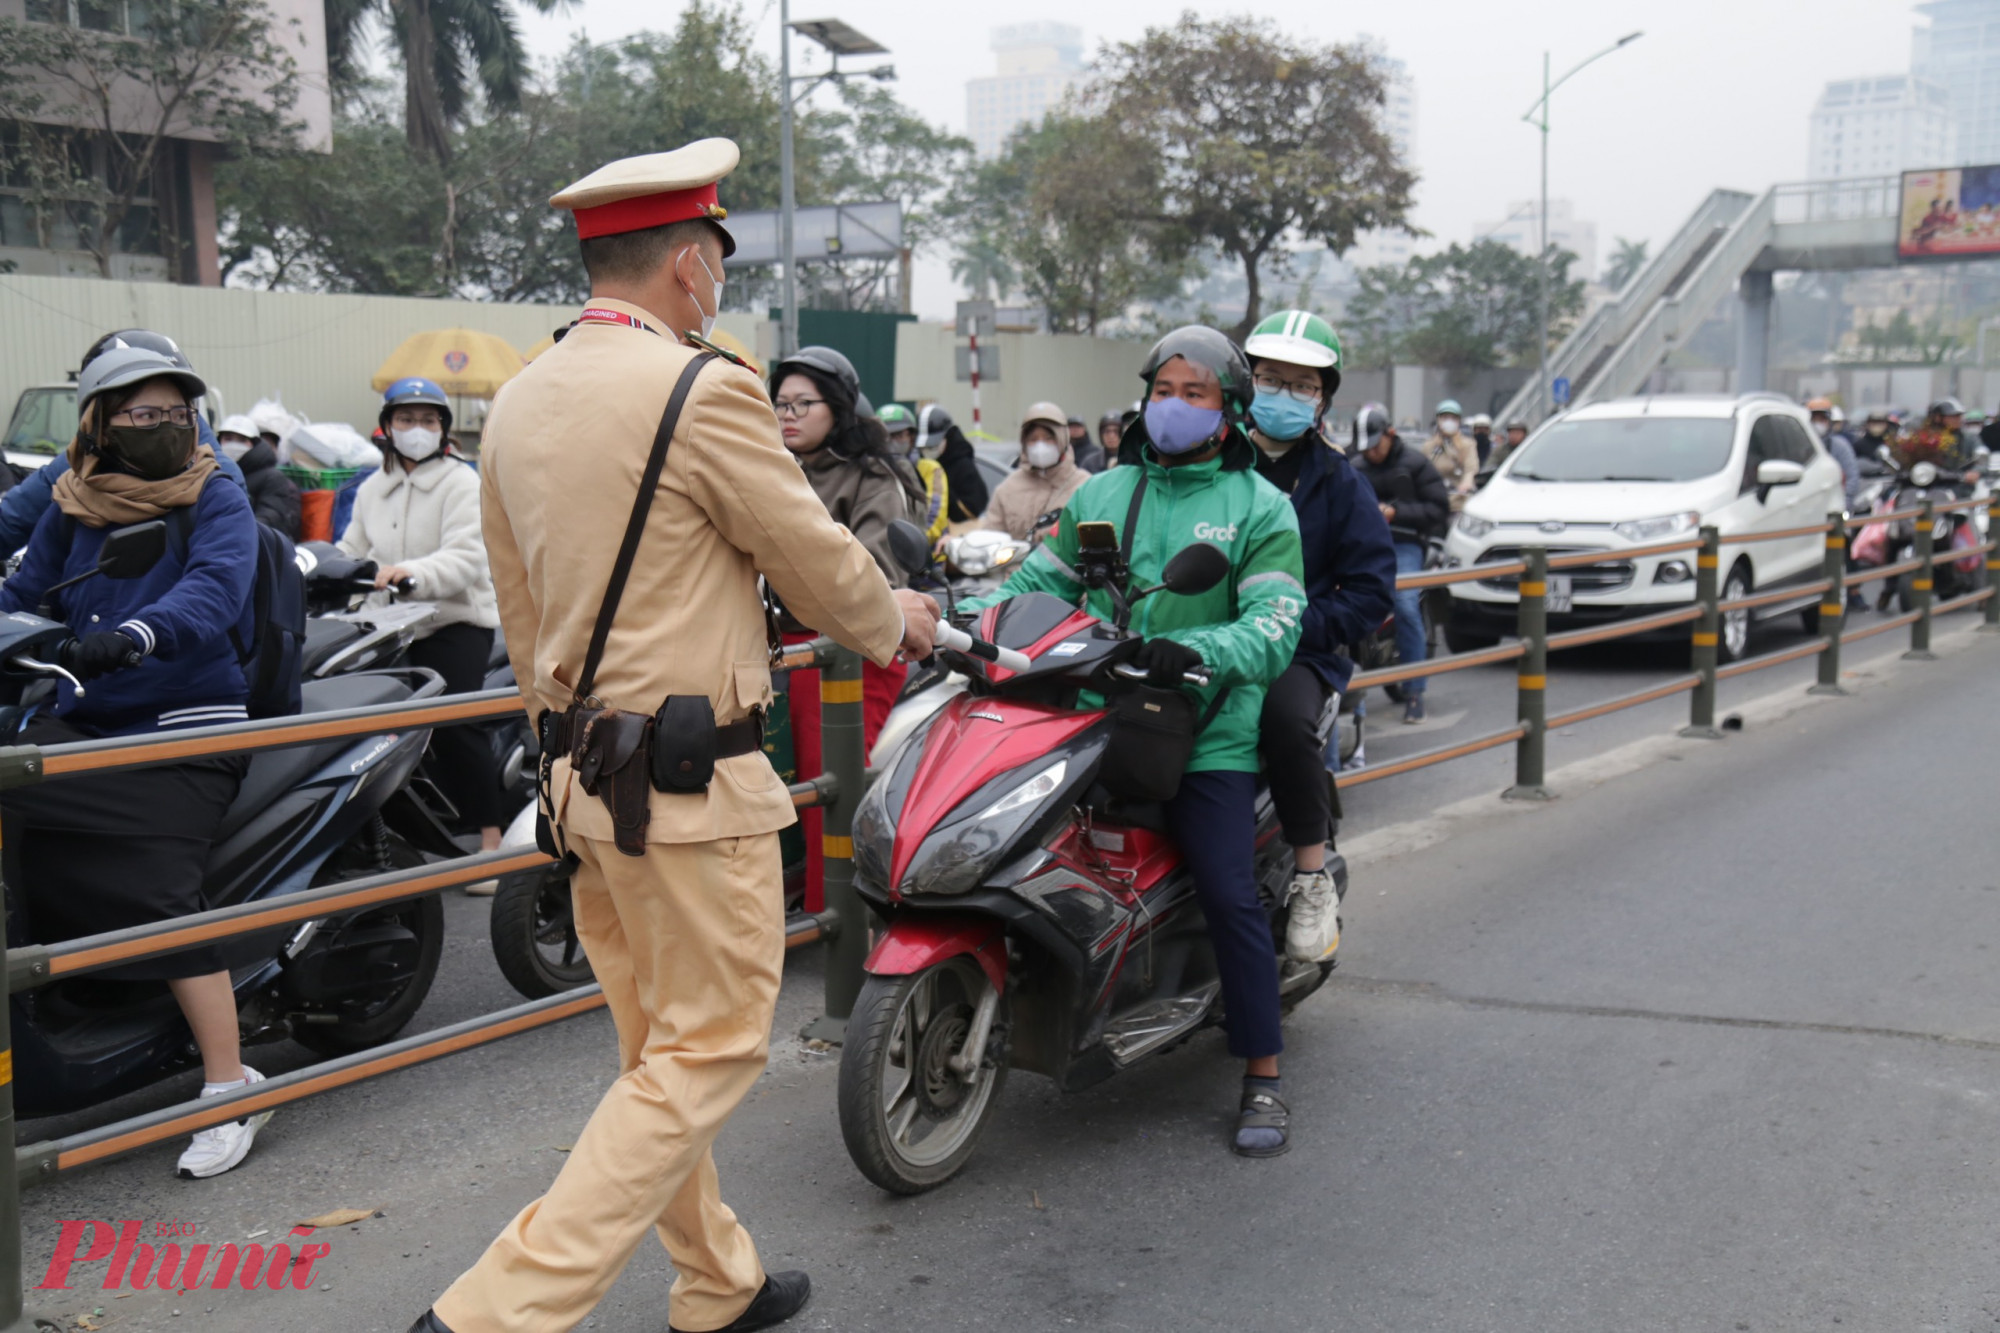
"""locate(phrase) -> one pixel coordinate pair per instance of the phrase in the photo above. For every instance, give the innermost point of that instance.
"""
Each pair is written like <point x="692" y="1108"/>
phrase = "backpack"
<point x="273" y="661"/>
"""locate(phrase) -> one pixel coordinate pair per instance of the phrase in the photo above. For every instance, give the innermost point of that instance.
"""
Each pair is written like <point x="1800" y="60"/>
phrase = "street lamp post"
<point x="839" y="40"/>
<point x="1538" y="116"/>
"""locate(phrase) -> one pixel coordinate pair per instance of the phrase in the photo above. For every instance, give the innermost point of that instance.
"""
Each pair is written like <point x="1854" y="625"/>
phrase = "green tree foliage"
<point x="1465" y="308"/>
<point x="95" y="113"/>
<point x="1903" y="340"/>
<point x="1626" y="261"/>
<point x="444" y="48"/>
<point x="1254" y="141"/>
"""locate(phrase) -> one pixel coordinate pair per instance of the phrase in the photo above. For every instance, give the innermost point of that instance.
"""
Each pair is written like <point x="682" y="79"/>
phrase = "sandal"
<point x="1262" y="1110"/>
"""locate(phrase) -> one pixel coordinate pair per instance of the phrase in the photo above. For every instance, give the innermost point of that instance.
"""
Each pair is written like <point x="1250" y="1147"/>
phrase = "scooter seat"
<point x="274" y="772"/>
<point x="324" y="638"/>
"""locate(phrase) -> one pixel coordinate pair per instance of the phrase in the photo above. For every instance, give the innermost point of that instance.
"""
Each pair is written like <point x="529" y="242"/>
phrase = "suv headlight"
<point x="1657" y="529"/>
<point x="1473" y="526"/>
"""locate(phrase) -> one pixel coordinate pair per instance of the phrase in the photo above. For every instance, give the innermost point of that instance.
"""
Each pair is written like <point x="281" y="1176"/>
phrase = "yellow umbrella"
<point x="462" y="362"/>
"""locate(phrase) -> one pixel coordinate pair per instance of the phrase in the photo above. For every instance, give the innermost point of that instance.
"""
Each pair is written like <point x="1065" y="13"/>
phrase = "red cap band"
<point x="648" y="210"/>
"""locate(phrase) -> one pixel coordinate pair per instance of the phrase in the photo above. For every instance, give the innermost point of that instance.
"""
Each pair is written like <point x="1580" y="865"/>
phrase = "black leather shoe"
<point x="428" y="1322"/>
<point x="782" y="1296"/>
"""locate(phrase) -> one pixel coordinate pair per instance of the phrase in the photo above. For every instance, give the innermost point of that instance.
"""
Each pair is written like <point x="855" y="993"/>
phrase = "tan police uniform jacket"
<point x="564" y="448"/>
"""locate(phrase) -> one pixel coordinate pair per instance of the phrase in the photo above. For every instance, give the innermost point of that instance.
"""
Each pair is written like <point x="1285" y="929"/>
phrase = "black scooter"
<point x="304" y="817"/>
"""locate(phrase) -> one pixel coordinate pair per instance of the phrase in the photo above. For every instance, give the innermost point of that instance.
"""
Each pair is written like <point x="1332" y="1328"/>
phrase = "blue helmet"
<point x="411" y="391"/>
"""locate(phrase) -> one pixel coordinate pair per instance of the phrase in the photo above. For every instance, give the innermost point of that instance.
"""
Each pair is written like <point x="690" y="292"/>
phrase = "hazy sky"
<point x="1715" y="94"/>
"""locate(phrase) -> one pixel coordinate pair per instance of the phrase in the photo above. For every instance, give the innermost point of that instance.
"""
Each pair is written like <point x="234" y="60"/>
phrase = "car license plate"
<point x="1561" y="590"/>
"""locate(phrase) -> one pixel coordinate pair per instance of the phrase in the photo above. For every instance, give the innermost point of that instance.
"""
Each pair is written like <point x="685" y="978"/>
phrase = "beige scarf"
<point x="98" y="498"/>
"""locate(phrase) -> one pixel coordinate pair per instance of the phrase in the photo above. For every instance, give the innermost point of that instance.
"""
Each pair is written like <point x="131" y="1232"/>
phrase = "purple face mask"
<point x="1177" y="426"/>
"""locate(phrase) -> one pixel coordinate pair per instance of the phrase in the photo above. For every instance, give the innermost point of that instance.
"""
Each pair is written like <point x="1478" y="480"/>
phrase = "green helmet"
<point x="1448" y="408"/>
<point x="1301" y="338"/>
<point x="895" y="417"/>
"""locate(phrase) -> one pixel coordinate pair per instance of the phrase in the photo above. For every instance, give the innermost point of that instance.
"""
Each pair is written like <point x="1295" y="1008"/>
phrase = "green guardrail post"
<point x="1532" y="624"/>
<point x="1708" y="596"/>
<point x="843" y="756"/>
<point x="1921" y="585"/>
<point x="1833" y="606"/>
<point x="1991" y="625"/>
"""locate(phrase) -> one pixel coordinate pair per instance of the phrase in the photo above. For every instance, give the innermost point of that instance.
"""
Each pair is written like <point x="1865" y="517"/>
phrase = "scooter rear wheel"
<point x="533" y="927"/>
<point x="909" y="1119"/>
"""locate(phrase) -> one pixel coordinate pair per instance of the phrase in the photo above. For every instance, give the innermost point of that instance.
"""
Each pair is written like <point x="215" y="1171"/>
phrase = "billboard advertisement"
<point x="1949" y="213"/>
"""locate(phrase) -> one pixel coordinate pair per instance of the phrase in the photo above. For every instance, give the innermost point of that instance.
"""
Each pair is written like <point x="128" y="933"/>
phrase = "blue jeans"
<point x="1213" y="819"/>
<point x="1409" y="626"/>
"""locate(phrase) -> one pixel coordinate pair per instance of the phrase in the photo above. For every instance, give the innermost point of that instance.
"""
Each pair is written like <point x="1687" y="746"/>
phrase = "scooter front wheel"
<point x="911" y="1119"/>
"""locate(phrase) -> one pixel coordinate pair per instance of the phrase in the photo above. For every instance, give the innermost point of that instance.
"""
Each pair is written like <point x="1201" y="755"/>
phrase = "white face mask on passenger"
<point x="415" y="443"/>
<point x="233" y="450"/>
<point x="1042" y="453"/>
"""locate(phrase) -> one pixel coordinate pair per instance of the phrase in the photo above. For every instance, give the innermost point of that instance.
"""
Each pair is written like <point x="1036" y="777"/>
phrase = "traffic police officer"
<point x="681" y="912"/>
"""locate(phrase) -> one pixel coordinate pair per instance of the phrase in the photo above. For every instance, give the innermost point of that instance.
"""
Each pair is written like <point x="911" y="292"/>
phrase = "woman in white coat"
<point x="418" y="519"/>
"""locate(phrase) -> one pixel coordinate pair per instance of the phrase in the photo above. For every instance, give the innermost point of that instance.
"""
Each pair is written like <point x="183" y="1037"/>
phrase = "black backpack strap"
<point x="635" y="527"/>
<point x="1126" y="537"/>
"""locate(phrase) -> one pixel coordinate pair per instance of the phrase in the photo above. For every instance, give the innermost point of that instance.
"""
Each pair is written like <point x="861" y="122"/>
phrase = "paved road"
<point x="1709" y="1045"/>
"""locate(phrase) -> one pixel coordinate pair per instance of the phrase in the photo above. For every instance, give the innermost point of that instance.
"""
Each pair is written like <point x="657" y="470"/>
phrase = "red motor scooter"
<point x="1033" y="921"/>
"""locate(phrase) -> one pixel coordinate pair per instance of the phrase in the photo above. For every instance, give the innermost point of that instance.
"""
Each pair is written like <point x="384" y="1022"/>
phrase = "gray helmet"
<point x="1370" y="421"/>
<point x="1203" y="346"/>
<point x="118" y="368"/>
<point x="932" y="425"/>
<point x="125" y="338"/>
<point x="825" y="364"/>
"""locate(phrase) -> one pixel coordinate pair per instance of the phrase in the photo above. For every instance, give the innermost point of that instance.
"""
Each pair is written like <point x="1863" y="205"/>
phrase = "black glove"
<point x="103" y="652"/>
<point x="1166" y="661"/>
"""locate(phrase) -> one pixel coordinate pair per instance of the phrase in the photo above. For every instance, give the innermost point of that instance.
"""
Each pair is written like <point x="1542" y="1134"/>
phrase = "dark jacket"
<point x="961" y="471"/>
<point x="181" y="614"/>
<point x="1407" y="480"/>
<point x="273" y="497"/>
<point x="1089" y="454"/>
<point x="21" y="507"/>
<point x="1350" y="565"/>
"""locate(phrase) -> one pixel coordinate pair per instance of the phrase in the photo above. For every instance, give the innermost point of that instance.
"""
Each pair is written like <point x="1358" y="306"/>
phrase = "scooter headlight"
<point x="962" y="852"/>
<point x="1923" y="474"/>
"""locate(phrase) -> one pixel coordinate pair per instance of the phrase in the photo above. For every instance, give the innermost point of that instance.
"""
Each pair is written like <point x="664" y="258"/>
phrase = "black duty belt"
<point x="731" y="738"/>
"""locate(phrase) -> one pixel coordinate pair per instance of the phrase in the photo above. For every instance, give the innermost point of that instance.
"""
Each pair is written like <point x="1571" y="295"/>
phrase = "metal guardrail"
<point x="837" y="791"/>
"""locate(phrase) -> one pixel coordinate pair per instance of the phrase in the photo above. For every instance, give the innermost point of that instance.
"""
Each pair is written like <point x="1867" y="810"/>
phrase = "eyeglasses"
<point x="796" y="407"/>
<point x="1303" y="393"/>
<point x="145" y="418"/>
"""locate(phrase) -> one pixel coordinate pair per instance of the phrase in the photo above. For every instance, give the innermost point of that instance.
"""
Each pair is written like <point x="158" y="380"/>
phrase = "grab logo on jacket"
<point x="1210" y="532"/>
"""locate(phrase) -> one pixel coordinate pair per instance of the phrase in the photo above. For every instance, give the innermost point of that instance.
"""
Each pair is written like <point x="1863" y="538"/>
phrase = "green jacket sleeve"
<point x="1256" y="647"/>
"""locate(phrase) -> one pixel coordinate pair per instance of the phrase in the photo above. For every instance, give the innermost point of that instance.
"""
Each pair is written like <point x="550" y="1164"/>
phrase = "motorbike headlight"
<point x="874" y="833"/>
<point x="959" y="854"/>
<point x="1473" y="526"/>
<point x="1923" y="474"/>
<point x="1657" y="529"/>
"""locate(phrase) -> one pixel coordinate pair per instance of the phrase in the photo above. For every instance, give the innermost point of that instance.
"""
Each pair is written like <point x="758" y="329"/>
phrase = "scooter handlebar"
<point x="1126" y="671"/>
<point x="949" y="636"/>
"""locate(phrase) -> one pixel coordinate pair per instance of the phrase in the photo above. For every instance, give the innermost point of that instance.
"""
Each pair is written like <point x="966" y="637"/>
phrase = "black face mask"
<point x="153" y="453"/>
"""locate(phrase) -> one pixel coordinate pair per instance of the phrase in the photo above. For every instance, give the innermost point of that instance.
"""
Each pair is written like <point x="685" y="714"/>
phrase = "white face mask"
<point x="707" y="316"/>
<point x="1448" y="426"/>
<point x="233" y="450"/>
<point x="415" y="442"/>
<point x="1041" y="453"/>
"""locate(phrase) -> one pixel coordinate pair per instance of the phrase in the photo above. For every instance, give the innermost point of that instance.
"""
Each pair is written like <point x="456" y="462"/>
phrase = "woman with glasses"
<point x="417" y="518"/>
<point x="1350" y="577"/>
<point x="155" y="652"/>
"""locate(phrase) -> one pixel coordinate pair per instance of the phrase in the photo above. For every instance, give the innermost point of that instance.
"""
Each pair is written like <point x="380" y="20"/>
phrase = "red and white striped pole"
<point x="973" y="362"/>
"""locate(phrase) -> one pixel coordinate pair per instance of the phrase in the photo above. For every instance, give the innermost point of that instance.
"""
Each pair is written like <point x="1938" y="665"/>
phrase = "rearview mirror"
<point x="1779" y="472"/>
<point x="131" y="553"/>
<point x="909" y="546"/>
<point x="1195" y="569"/>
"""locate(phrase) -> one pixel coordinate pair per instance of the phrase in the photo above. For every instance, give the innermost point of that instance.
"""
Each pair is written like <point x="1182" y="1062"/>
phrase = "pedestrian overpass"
<point x="1734" y="242"/>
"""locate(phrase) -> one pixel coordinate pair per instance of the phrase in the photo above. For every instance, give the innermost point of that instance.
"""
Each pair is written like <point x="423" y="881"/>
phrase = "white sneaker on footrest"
<point x="223" y="1147"/>
<point x="1312" y="931"/>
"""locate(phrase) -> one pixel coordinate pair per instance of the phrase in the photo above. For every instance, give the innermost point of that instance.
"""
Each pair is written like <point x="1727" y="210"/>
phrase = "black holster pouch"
<point x="1151" y="740"/>
<point x="684" y="744"/>
<point x="608" y="751"/>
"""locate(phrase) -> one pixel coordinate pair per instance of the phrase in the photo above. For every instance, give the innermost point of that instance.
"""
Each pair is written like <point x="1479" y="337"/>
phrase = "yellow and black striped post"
<point x="1921" y="584"/>
<point x="844" y="758"/>
<point x="1833" y="605"/>
<point x="1707" y="595"/>
<point x="1530" y="752"/>
<point x="1991" y="625"/>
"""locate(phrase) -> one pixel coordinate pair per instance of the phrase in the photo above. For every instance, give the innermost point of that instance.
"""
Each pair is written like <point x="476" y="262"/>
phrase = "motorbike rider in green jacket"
<point x="1189" y="451"/>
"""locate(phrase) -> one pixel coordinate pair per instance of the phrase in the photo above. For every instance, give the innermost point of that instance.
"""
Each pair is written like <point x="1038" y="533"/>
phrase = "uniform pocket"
<point x="753" y="686"/>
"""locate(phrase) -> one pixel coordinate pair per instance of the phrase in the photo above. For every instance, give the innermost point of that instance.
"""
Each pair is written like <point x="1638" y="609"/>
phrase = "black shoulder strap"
<point x="1126" y="538"/>
<point x="635" y="527"/>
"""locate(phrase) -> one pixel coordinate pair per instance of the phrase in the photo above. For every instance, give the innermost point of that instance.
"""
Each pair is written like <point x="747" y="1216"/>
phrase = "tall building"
<point x="1522" y="229"/>
<point x="1038" y="64"/>
<point x="1960" y="53"/>
<point x="1399" y="120"/>
<point x="1878" y="127"/>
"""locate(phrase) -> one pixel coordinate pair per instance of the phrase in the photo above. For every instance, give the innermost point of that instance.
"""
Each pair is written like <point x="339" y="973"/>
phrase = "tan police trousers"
<point x="688" y="942"/>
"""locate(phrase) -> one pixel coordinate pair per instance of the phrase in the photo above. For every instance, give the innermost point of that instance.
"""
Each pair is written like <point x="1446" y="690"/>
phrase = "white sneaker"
<point x="1357" y="760"/>
<point x="1313" y="929"/>
<point x="226" y="1145"/>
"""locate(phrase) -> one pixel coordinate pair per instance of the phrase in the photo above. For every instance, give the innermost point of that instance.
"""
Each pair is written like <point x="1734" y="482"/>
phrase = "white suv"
<point x="1635" y="472"/>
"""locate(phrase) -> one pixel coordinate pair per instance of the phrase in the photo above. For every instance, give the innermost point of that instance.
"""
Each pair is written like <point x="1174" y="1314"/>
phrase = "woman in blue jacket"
<point x="157" y="652"/>
<point x="1350" y="569"/>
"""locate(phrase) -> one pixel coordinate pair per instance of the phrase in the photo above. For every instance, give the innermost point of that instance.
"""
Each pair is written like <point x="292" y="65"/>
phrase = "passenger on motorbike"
<point x="1940" y="440"/>
<point x="1190" y="454"/>
<point x="901" y="426"/>
<point x="100" y="853"/>
<point x="1045" y="479"/>
<point x="417" y="518"/>
<point x="1350" y="578"/>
